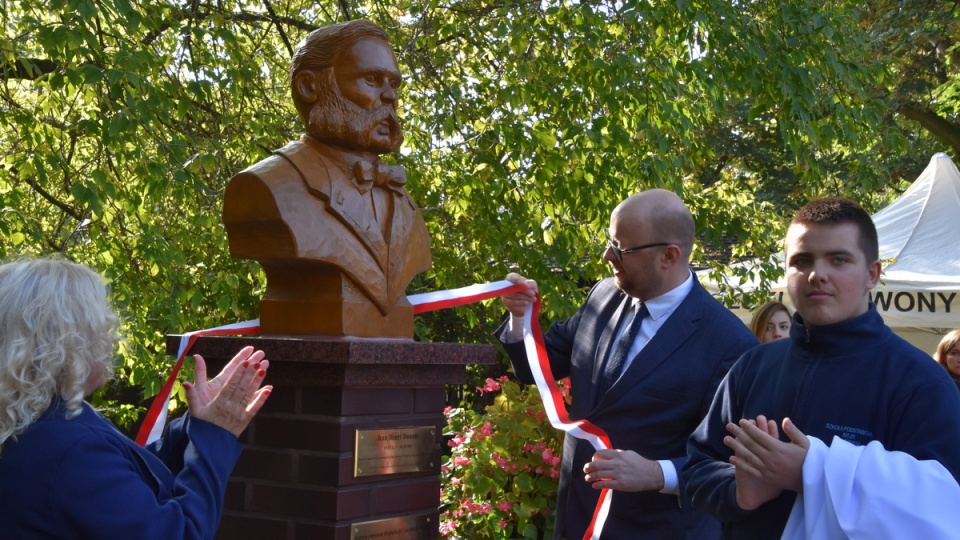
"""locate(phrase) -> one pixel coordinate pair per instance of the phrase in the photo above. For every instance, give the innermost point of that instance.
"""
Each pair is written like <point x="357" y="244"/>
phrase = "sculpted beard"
<point x="337" y="120"/>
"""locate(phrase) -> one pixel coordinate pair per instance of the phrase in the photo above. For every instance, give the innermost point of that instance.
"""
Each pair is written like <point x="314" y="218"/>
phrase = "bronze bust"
<point x="335" y="230"/>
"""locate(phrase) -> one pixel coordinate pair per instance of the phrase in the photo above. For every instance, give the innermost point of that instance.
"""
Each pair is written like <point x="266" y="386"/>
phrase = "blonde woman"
<point x="67" y="472"/>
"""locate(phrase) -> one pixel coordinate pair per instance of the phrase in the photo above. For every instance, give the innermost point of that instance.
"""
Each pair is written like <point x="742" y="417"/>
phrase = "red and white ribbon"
<point x="556" y="409"/>
<point x="431" y="301"/>
<point x="153" y="423"/>
<point x="550" y="392"/>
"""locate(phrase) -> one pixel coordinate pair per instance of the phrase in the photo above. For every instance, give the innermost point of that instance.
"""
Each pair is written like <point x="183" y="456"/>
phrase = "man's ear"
<point x="670" y="255"/>
<point x="305" y="86"/>
<point x="873" y="274"/>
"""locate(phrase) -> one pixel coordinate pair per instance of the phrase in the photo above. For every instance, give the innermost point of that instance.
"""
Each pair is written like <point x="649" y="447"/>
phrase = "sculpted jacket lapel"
<point x="400" y="229"/>
<point x="343" y="199"/>
<point x="353" y="208"/>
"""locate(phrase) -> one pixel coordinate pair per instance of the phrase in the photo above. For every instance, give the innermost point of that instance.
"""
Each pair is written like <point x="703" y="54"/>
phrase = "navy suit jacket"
<point x="652" y="409"/>
<point x="83" y="479"/>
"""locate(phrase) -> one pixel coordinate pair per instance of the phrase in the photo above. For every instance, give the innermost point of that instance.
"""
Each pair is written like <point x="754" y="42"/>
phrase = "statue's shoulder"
<point x="295" y="161"/>
<point x="294" y="149"/>
<point x="269" y="187"/>
<point x="272" y="166"/>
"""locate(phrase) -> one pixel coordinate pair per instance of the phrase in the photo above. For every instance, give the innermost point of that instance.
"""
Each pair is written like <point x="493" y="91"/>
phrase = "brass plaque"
<point x="400" y="528"/>
<point x="392" y="451"/>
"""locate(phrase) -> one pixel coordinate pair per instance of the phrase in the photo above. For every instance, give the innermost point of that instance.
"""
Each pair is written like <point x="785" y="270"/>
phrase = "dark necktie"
<point x="611" y="371"/>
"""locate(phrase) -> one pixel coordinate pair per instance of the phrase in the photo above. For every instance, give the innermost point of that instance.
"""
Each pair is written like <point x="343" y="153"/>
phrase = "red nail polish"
<point x="262" y="373"/>
<point x="245" y="363"/>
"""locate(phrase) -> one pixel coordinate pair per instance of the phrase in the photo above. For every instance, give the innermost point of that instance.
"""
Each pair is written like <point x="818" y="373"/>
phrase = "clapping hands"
<point x="232" y="398"/>
<point x="765" y="465"/>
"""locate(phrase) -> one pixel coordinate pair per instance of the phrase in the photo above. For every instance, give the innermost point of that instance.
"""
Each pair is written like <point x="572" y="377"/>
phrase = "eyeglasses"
<point x="619" y="252"/>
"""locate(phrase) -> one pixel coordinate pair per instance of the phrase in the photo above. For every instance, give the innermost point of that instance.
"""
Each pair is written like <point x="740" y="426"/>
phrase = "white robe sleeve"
<point x="869" y="493"/>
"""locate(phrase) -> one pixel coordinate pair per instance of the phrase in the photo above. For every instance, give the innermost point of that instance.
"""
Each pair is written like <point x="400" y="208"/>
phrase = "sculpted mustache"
<point x="382" y="114"/>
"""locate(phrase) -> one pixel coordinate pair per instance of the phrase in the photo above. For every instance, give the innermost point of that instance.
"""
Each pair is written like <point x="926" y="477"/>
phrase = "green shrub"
<point x="501" y="477"/>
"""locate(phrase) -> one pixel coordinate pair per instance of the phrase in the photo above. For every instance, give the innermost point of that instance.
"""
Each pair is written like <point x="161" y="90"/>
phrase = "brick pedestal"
<point x="295" y="479"/>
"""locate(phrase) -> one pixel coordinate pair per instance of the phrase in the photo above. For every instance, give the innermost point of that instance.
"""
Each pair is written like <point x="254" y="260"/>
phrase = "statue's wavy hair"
<point x="320" y="48"/>
<point x="56" y="328"/>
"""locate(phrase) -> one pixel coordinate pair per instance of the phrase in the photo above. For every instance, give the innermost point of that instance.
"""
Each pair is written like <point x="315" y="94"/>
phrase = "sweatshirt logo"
<point x="850" y="434"/>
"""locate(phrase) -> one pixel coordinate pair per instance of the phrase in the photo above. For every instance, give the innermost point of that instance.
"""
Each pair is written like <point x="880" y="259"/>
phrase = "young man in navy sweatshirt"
<point x="842" y="376"/>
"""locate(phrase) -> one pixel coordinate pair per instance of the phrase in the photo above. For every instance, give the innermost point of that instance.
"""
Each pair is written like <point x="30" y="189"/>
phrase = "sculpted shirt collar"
<point x="364" y="172"/>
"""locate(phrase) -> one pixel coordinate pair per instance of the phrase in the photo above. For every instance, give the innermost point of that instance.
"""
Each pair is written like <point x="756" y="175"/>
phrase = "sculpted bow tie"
<point x="368" y="174"/>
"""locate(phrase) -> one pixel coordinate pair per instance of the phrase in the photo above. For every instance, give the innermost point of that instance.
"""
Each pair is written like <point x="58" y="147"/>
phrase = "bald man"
<point x="645" y="354"/>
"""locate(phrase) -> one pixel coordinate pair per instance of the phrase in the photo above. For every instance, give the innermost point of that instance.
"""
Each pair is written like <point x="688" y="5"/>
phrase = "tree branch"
<point x="28" y="68"/>
<point x="241" y="16"/>
<point x="938" y="126"/>
<point x="345" y="9"/>
<point x="67" y="209"/>
<point x="283" y="35"/>
<point x="711" y="177"/>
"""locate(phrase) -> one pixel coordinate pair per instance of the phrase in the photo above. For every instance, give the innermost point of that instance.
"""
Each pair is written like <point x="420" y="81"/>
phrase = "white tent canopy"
<point x="919" y="291"/>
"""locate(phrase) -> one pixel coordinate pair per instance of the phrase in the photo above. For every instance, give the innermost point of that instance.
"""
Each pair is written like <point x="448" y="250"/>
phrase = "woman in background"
<point x="948" y="355"/>
<point x="771" y="322"/>
<point x="65" y="470"/>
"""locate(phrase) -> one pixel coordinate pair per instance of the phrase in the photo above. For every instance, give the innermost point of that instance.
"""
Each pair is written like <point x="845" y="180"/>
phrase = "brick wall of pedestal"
<point x="295" y="479"/>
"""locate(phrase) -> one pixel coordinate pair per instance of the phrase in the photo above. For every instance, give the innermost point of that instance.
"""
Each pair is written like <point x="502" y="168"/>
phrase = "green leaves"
<point x="95" y="142"/>
<point x="525" y="123"/>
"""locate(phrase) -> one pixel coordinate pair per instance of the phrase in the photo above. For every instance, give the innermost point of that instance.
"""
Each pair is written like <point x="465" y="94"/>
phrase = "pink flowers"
<point x="500" y="476"/>
<point x="491" y="386"/>
<point x="447" y="527"/>
<point x="476" y="508"/>
<point x="456" y="441"/>
<point x="504" y="463"/>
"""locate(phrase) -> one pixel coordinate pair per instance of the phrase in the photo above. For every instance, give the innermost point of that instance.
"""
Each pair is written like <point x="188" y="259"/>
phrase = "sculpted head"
<point x="344" y="80"/>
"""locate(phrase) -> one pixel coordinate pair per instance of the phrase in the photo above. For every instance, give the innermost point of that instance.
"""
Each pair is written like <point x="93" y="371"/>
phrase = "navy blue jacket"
<point x="855" y="379"/>
<point x="652" y="409"/>
<point x="83" y="479"/>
